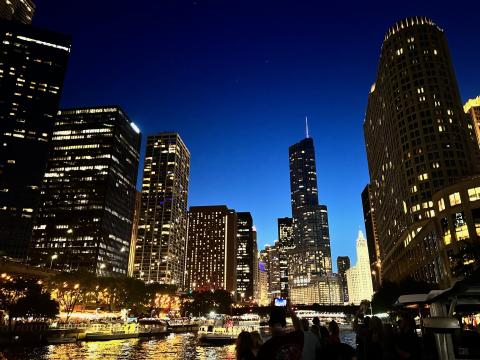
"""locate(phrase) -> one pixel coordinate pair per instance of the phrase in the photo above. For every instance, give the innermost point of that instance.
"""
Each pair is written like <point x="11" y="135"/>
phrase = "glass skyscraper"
<point x="32" y="69"/>
<point x="88" y="192"/>
<point x="311" y="241"/>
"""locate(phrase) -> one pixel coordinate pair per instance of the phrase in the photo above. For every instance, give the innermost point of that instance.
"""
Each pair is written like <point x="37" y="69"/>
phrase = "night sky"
<point x="236" y="80"/>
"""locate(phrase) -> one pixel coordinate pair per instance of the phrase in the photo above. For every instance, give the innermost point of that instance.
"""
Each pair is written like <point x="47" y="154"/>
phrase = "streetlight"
<point x="53" y="257"/>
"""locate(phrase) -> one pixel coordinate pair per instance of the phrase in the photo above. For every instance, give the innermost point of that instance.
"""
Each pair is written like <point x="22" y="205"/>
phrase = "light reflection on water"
<point x="172" y="347"/>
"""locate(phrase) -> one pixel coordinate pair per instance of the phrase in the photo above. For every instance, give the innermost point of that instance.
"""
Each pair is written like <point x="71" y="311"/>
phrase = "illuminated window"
<point x="455" y="199"/>
<point x="441" y="204"/>
<point x="460" y="224"/>
<point x="474" y="194"/>
<point x="447" y="237"/>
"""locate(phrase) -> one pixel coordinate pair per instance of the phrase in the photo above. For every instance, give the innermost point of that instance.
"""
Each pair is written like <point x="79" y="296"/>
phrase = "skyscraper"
<point x="372" y="238"/>
<point x="246" y="255"/>
<point x="285" y="244"/>
<point x="32" y="69"/>
<point x="273" y="261"/>
<point x="17" y="10"/>
<point x="162" y="229"/>
<point x="359" y="280"/>
<point x="418" y="142"/>
<point x="88" y="192"/>
<point x="311" y="240"/>
<point x="211" y="248"/>
<point x="343" y="264"/>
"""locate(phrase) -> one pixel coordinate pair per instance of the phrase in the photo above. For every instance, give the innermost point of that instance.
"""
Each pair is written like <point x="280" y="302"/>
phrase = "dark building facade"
<point x="372" y="239"/>
<point x="88" y="192"/>
<point x="311" y="253"/>
<point x="418" y="142"/>
<point x="343" y="264"/>
<point x="17" y="10"/>
<point x="285" y="245"/>
<point x="246" y="256"/>
<point x="211" y="249"/>
<point x="162" y="229"/>
<point x="32" y="69"/>
<point x="133" y="241"/>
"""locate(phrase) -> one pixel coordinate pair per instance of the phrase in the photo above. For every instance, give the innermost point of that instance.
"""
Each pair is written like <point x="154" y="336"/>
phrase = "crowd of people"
<point x="375" y="341"/>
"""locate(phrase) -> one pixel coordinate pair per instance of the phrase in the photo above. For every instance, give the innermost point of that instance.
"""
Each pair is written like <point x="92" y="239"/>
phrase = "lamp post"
<point x="53" y="257"/>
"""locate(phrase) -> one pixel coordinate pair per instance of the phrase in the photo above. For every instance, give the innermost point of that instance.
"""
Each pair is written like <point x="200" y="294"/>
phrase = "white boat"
<point x="225" y="329"/>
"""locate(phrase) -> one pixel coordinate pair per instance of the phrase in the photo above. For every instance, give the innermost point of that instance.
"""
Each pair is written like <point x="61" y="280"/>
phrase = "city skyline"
<point x="339" y="186"/>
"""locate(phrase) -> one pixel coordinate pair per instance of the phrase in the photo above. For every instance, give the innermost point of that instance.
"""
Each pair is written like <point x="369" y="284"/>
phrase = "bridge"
<point x="265" y="310"/>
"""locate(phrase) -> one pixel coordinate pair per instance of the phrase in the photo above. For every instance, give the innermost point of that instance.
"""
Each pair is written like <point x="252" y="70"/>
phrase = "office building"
<point x="273" y="265"/>
<point x="418" y="142"/>
<point x="323" y="290"/>
<point x="311" y="251"/>
<point x="162" y="228"/>
<point x="88" y="192"/>
<point x="263" y="296"/>
<point x="285" y="245"/>
<point x="246" y="256"/>
<point x="343" y="264"/>
<point x="32" y="69"/>
<point x="359" y="280"/>
<point x="211" y="249"/>
<point x="17" y="10"/>
<point x="372" y="238"/>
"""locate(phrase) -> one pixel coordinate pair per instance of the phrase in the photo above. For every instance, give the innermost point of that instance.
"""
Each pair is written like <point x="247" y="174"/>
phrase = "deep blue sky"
<point x="236" y="79"/>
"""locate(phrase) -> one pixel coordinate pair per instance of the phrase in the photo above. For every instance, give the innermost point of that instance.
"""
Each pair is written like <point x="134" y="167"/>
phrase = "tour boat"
<point x="225" y="329"/>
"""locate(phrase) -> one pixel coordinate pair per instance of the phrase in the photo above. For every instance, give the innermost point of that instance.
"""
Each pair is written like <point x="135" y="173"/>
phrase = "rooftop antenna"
<point x="306" y="127"/>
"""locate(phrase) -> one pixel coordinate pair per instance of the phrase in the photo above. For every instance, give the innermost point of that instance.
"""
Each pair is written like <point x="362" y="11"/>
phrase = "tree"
<point x="70" y="289"/>
<point x="35" y="304"/>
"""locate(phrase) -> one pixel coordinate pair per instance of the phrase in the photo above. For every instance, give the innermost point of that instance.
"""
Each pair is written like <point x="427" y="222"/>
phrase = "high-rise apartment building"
<point x="88" y="192"/>
<point x="273" y="261"/>
<point x="211" y="249"/>
<point x="32" y="69"/>
<point x="311" y="253"/>
<point x="418" y="142"/>
<point x="343" y="264"/>
<point x="372" y="238"/>
<point x="17" y="10"/>
<point x="359" y="280"/>
<point x="285" y="245"/>
<point x="246" y="256"/>
<point x="162" y="229"/>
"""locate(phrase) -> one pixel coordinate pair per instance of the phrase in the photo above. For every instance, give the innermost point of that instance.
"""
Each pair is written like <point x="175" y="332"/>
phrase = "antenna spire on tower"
<point x="306" y="127"/>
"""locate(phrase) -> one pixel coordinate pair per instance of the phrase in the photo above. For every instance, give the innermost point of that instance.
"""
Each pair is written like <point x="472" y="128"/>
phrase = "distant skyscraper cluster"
<point x="423" y="159"/>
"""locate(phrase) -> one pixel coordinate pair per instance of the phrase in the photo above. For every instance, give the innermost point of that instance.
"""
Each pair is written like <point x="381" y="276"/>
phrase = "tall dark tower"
<point x="88" y="192"/>
<point x="372" y="238"/>
<point x="246" y="255"/>
<point x="311" y="240"/>
<point x="417" y="141"/>
<point x="32" y="69"/>
<point x="343" y="264"/>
